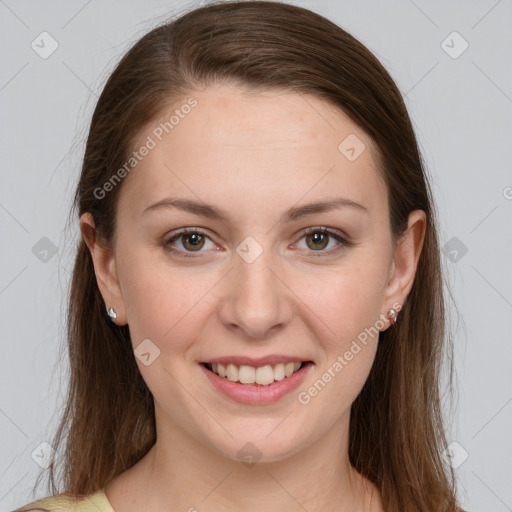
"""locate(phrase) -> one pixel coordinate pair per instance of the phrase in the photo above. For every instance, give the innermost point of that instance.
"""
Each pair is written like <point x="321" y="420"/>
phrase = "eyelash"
<point x="343" y="242"/>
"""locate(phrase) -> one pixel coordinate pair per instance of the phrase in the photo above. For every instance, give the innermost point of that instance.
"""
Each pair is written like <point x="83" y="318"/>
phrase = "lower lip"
<point x="256" y="393"/>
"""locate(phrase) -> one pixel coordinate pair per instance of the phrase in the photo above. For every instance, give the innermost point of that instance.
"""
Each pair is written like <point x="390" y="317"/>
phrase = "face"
<point x="268" y="280"/>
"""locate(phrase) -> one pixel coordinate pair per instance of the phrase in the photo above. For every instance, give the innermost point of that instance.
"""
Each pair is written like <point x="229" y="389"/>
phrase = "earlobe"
<point x="104" y="268"/>
<point x="405" y="261"/>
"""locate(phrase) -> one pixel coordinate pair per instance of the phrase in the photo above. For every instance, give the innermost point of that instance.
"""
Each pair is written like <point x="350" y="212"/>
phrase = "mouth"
<point x="265" y="375"/>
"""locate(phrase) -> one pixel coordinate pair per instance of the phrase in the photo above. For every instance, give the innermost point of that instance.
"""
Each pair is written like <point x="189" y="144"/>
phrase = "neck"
<point x="180" y="473"/>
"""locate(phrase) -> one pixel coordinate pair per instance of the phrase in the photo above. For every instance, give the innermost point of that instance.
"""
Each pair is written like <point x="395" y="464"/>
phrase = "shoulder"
<point x="95" y="502"/>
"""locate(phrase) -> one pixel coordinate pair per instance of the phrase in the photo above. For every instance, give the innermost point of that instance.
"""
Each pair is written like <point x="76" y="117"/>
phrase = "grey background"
<point x="461" y="108"/>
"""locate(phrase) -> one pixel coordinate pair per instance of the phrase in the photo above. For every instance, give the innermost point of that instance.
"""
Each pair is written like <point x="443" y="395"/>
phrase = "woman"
<point x="256" y="318"/>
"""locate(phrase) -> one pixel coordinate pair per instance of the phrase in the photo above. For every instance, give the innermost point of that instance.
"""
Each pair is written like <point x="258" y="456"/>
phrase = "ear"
<point x="405" y="261"/>
<point x="104" y="268"/>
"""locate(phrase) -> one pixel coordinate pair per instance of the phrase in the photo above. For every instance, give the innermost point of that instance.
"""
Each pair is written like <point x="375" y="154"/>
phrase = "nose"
<point x="256" y="301"/>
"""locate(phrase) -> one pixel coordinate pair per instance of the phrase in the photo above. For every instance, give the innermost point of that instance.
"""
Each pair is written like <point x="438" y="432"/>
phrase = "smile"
<point x="256" y="385"/>
<point x="262" y="375"/>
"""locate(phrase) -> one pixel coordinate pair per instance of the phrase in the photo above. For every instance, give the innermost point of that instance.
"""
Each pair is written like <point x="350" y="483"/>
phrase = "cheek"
<point x="346" y="330"/>
<point x="345" y="306"/>
<point x="143" y="287"/>
<point x="347" y="300"/>
<point x="163" y="304"/>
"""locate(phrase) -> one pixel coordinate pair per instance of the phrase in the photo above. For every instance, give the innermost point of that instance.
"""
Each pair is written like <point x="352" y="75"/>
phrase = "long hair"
<point x="397" y="434"/>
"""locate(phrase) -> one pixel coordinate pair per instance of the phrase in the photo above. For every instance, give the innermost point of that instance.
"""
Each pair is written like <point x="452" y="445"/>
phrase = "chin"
<point x="258" y="448"/>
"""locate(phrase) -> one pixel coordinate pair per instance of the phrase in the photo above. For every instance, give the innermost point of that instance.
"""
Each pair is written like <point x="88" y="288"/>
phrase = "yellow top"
<point x="96" y="502"/>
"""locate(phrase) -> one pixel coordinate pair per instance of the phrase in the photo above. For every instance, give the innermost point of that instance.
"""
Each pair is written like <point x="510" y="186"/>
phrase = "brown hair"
<point x="396" y="428"/>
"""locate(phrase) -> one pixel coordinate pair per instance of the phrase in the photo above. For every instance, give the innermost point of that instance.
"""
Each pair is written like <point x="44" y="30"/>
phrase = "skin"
<point x="253" y="155"/>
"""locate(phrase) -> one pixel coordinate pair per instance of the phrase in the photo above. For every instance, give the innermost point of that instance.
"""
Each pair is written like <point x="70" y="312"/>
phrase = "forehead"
<point x="251" y="150"/>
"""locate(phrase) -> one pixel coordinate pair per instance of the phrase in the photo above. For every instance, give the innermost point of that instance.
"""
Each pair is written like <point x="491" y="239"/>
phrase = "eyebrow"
<point x="293" y="213"/>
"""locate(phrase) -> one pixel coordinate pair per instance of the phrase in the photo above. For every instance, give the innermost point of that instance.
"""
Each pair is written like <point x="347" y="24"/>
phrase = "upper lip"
<point x="256" y="361"/>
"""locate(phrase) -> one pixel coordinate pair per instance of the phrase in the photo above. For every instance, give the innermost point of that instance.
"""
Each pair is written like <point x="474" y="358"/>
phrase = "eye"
<point x="318" y="238"/>
<point x="191" y="240"/>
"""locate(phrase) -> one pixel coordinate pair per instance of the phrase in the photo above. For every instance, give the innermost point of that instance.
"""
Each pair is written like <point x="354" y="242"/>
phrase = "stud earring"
<point x="111" y="313"/>
<point x="392" y="316"/>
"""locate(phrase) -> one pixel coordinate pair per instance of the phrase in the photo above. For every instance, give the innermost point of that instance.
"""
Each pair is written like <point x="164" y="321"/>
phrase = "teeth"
<point x="232" y="372"/>
<point x="263" y="375"/>
<point x="247" y="374"/>
<point x="279" y="373"/>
